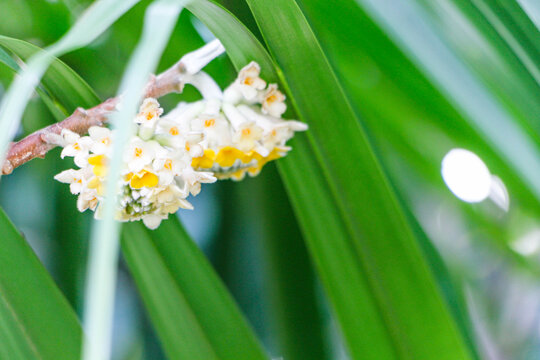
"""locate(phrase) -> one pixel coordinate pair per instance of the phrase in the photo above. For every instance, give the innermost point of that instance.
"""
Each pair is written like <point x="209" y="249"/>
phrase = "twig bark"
<point x="40" y="142"/>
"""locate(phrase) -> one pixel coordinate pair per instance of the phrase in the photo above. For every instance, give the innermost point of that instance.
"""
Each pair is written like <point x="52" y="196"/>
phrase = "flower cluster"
<point x="243" y="129"/>
<point x="157" y="176"/>
<point x="226" y="135"/>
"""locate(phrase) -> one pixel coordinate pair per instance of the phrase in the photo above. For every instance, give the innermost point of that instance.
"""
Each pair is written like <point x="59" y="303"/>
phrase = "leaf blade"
<point x="40" y="321"/>
<point x="213" y="308"/>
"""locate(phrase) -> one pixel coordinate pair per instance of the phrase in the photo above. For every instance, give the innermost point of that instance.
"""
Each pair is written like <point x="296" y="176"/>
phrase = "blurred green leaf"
<point x="291" y="283"/>
<point x="176" y="325"/>
<point x="425" y="40"/>
<point x="36" y="321"/>
<point x="64" y="85"/>
<point x="8" y="60"/>
<point x="421" y="126"/>
<point x="55" y="110"/>
<point x="189" y="306"/>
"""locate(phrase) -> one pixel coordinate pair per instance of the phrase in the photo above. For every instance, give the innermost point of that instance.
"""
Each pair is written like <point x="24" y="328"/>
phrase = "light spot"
<point x="527" y="244"/>
<point x="466" y="175"/>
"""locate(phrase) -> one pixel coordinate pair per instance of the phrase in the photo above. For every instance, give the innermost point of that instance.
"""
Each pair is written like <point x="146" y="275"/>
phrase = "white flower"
<point x="102" y="139"/>
<point x="247" y="136"/>
<point x="169" y="193"/>
<point x="193" y="144"/>
<point x="76" y="146"/>
<point x="87" y="200"/>
<point x="215" y="128"/>
<point x="169" y="133"/>
<point x="75" y="178"/>
<point x="168" y="165"/>
<point x="273" y="101"/>
<point x="152" y="221"/>
<point x="191" y="180"/>
<point x="140" y="153"/>
<point x="249" y="81"/>
<point x="183" y="113"/>
<point x="276" y="131"/>
<point x="149" y="113"/>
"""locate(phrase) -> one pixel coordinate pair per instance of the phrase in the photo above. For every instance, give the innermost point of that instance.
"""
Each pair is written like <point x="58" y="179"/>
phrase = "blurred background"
<point x="420" y="112"/>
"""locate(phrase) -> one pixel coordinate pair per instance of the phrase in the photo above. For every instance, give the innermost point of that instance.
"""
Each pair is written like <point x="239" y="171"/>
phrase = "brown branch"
<point x="40" y="142"/>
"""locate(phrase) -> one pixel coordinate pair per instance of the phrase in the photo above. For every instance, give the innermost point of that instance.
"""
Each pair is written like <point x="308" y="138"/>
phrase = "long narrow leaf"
<point x="160" y="18"/>
<point x="180" y="333"/>
<point x="455" y="80"/>
<point x="36" y="322"/>
<point x="58" y="113"/>
<point x="212" y="306"/>
<point x="64" y="84"/>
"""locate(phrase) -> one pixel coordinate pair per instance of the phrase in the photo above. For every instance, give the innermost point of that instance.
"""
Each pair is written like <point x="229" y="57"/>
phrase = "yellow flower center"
<point x="76" y="146"/>
<point x="248" y="81"/>
<point x="137" y="152"/>
<point x="106" y="141"/>
<point x="228" y="155"/>
<point x="271" y="99"/>
<point x="209" y="122"/>
<point x="144" y="178"/>
<point x="174" y="131"/>
<point x="95" y="183"/>
<point x="246" y="132"/>
<point x="168" y="164"/>
<point x="206" y="161"/>
<point x="100" y="164"/>
<point x="149" y="116"/>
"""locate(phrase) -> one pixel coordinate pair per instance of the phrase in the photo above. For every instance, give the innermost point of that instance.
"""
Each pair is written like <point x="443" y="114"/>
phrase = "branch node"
<point x="7" y="168"/>
<point x="51" y="138"/>
<point x="80" y="112"/>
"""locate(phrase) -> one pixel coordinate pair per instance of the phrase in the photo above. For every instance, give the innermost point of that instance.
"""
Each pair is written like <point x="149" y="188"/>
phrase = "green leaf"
<point x="336" y="262"/>
<point x="159" y="21"/>
<point x="58" y="112"/>
<point x="36" y="321"/>
<point x="8" y="60"/>
<point x="188" y="304"/>
<point x="501" y="126"/>
<point x="291" y="286"/>
<point x="421" y="126"/>
<point x="351" y="204"/>
<point x="62" y="83"/>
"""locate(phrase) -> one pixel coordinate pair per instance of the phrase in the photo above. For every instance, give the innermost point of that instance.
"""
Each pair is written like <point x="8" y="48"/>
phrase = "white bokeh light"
<point x="466" y="175"/>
